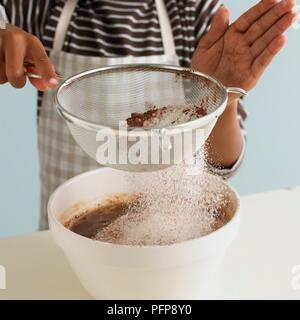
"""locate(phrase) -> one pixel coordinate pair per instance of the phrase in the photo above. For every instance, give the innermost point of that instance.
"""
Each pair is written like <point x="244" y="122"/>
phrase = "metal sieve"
<point x="96" y="103"/>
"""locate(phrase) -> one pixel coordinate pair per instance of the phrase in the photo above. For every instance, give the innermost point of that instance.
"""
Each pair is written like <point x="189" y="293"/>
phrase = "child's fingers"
<point x="268" y="20"/>
<point x="266" y="57"/>
<point x="279" y="28"/>
<point x="218" y="27"/>
<point x="42" y="63"/>
<point x="244" y="22"/>
<point x="40" y="84"/>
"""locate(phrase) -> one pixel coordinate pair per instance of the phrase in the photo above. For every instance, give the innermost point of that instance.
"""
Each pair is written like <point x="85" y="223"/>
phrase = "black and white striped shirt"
<point x="109" y="28"/>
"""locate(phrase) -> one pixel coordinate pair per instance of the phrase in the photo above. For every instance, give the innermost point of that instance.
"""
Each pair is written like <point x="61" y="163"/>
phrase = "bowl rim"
<point x="70" y="233"/>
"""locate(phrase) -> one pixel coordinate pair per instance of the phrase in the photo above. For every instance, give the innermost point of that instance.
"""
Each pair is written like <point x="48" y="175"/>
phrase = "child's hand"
<point x="238" y="54"/>
<point x="18" y="47"/>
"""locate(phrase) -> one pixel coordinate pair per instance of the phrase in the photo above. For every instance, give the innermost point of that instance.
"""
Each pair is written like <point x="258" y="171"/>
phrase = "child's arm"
<point x="237" y="55"/>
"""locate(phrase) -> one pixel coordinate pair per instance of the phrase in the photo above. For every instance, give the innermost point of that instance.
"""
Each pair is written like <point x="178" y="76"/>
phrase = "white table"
<point x="258" y="265"/>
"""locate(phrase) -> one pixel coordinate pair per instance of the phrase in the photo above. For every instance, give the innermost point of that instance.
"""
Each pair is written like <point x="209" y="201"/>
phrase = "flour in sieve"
<point x="166" y="116"/>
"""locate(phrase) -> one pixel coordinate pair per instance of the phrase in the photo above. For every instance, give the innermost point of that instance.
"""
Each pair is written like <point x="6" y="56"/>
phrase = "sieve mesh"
<point x="106" y="96"/>
<point x="102" y="97"/>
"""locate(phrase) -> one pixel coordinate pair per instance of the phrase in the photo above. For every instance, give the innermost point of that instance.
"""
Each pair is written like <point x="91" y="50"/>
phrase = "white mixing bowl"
<point x="108" y="271"/>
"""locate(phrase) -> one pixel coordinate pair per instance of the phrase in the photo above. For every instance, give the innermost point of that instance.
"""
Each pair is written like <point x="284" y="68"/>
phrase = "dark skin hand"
<point x="237" y="55"/>
<point x="18" y="47"/>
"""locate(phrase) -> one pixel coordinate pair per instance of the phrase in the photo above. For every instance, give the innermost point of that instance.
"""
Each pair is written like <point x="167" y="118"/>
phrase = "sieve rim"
<point x="94" y="126"/>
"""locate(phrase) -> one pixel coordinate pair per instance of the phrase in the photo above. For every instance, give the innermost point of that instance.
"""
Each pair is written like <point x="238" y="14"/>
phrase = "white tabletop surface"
<point x="258" y="265"/>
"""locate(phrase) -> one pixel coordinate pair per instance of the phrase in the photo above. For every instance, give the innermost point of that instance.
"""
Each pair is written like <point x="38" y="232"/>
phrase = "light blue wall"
<point x="273" y="156"/>
<point x="272" y="159"/>
<point x="19" y="182"/>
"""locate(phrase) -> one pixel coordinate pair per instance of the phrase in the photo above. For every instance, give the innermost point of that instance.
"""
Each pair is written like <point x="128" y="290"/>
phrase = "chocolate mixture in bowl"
<point x="171" y="206"/>
<point x="105" y="222"/>
<point x="88" y="220"/>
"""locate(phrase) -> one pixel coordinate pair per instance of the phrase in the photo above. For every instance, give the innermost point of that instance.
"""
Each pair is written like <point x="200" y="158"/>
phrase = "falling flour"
<point x="175" y="205"/>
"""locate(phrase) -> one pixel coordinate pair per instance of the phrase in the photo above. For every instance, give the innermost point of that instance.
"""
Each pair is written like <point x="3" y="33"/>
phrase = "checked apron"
<point x="60" y="157"/>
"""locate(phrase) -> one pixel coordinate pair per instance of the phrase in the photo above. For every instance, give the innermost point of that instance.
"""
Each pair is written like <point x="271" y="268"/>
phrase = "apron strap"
<point x="63" y="24"/>
<point x="164" y="21"/>
<point x="166" y="28"/>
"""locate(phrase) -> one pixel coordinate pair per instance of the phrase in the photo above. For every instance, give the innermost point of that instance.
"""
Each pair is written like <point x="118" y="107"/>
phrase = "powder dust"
<point x="176" y="204"/>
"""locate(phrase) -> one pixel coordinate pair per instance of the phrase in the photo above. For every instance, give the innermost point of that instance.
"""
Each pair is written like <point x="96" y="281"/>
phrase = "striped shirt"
<point x="109" y="28"/>
<point x="116" y="28"/>
<point x="112" y="28"/>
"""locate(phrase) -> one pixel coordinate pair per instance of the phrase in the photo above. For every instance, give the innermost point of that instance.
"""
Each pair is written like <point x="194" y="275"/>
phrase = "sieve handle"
<point x="239" y="91"/>
<point x="37" y="76"/>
